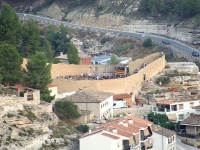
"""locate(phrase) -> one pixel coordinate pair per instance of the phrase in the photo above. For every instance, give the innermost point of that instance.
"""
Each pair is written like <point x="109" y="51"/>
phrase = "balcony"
<point x="119" y="72"/>
<point x="192" y="136"/>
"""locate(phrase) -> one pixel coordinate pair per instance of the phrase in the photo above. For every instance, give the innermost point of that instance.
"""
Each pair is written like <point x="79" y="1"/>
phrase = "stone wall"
<point x="22" y="100"/>
<point x="121" y="85"/>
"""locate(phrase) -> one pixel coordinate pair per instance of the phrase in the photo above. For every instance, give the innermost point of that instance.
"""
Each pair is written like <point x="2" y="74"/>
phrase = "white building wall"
<point x="158" y="142"/>
<point x="106" y="107"/>
<point x="99" y="142"/>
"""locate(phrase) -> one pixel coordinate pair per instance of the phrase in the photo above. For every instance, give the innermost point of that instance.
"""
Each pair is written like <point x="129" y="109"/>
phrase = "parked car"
<point x="166" y="42"/>
<point x="195" y="54"/>
<point x="120" y="104"/>
<point x="181" y="131"/>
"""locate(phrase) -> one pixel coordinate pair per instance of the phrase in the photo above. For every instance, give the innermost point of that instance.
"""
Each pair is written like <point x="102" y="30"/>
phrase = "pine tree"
<point x="73" y="54"/>
<point x="38" y="74"/>
<point x="10" y="26"/>
<point x="10" y="66"/>
<point x="31" y="38"/>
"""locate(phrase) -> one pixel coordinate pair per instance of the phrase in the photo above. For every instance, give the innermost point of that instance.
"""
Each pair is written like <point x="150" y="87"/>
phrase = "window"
<point x="180" y="106"/>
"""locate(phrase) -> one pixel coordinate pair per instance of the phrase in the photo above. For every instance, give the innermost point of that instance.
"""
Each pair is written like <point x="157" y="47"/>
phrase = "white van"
<point x="120" y="104"/>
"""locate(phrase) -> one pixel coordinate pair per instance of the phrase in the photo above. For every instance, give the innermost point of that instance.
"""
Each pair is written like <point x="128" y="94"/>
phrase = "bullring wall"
<point x="156" y="62"/>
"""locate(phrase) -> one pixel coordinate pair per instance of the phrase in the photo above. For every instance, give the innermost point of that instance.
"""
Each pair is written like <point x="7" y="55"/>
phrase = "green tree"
<point x="31" y="38"/>
<point x="147" y="42"/>
<point x="38" y="73"/>
<point x="73" y="54"/>
<point x="10" y="26"/>
<point x="47" y="49"/>
<point x="45" y="95"/>
<point x="113" y="60"/>
<point x="82" y="128"/>
<point x="58" y="38"/>
<point x="66" y="110"/>
<point x="10" y="66"/>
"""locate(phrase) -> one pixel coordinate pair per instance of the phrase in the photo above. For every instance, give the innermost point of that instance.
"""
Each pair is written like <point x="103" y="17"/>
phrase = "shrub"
<point x="82" y="128"/>
<point x="163" y="80"/>
<point x="66" y="110"/>
<point x="21" y="93"/>
<point x="147" y="42"/>
<point x="124" y="47"/>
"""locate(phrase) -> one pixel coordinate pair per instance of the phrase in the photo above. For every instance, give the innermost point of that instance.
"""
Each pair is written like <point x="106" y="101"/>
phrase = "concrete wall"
<point x="189" y="141"/>
<point x="156" y="63"/>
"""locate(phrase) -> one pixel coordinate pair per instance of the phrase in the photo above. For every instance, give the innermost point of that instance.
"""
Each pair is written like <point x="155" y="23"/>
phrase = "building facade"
<point x="192" y="130"/>
<point x="179" y="109"/>
<point x="128" y="133"/>
<point x="100" y="103"/>
<point x="165" y="139"/>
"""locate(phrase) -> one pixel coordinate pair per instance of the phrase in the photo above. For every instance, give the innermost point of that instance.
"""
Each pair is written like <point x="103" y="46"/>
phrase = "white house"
<point x="127" y="133"/>
<point x="104" y="59"/>
<point x="165" y="139"/>
<point x="54" y="89"/>
<point x="177" y="109"/>
<point x="100" y="103"/>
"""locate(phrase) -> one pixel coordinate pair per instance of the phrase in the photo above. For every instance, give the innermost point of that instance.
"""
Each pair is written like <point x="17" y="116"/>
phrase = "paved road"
<point x="176" y="44"/>
<point x="181" y="146"/>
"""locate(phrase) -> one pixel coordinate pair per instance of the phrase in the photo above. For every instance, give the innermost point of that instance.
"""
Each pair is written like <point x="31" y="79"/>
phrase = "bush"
<point x="66" y="110"/>
<point x="82" y="128"/>
<point x="21" y="93"/>
<point x="124" y="47"/>
<point x="147" y="42"/>
<point x="163" y="80"/>
<point x="45" y="95"/>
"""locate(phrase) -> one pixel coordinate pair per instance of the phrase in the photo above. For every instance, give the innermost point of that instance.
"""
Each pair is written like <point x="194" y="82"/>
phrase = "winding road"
<point x="174" y="43"/>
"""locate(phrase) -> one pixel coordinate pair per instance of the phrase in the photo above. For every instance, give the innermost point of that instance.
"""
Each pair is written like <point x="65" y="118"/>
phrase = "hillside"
<point x="123" y="15"/>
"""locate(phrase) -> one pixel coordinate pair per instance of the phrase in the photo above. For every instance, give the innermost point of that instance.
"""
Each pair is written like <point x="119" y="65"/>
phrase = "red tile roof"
<point x="165" y="102"/>
<point x="51" y="85"/>
<point x="110" y="135"/>
<point x="121" y="96"/>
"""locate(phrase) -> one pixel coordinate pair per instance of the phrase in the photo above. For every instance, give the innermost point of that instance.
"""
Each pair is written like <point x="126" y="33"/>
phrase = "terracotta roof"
<point x="163" y="131"/>
<point x="165" y="102"/>
<point x="196" y="107"/>
<point x="89" y="96"/>
<point x="121" y="96"/>
<point x="51" y="85"/>
<point x="193" y="120"/>
<point x="123" y="127"/>
<point x="19" y="87"/>
<point x="110" y="136"/>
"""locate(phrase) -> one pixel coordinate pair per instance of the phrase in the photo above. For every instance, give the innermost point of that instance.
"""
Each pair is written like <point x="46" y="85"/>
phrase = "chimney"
<point x="130" y="121"/>
<point x="114" y="130"/>
<point x="61" y="53"/>
<point x="125" y="124"/>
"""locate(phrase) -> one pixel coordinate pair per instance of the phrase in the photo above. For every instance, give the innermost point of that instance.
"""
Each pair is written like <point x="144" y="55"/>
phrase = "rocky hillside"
<point x="116" y="14"/>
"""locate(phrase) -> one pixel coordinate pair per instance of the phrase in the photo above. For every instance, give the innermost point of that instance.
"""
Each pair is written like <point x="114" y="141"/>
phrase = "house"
<point x="121" y="70"/>
<point x="85" y="60"/>
<point x="104" y="59"/>
<point x="177" y="109"/>
<point x="63" y="57"/>
<point x="54" y="89"/>
<point x="127" y="133"/>
<point x="125" y="97"/>
<point x="165" y="139"/>
<point x="192" y="130"/>
<point x="98" y="102"/>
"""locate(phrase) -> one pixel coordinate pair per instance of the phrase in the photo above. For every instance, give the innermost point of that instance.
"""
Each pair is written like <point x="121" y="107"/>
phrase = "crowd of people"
<point x="138" y="69"/>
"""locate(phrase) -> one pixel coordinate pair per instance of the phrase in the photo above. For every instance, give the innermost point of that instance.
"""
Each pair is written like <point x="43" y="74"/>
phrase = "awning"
<point x="131" y="141"/>
<point x="146" y="132"/>
<point x="146" y="143"/>
<point x="136" y="138"/>
<point x="172" y="116"/>
<point x="151" y="141"/>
